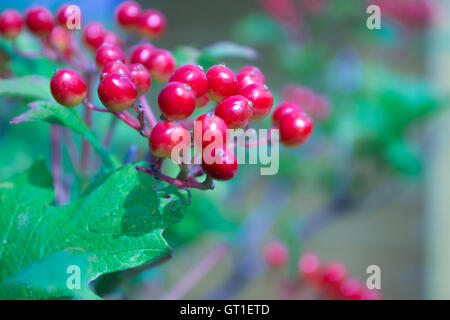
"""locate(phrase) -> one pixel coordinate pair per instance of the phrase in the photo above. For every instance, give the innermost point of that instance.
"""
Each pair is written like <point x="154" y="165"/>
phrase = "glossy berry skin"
<point x="309" y="267"/>
<point x="116" y="92"/>
<point x="160" y="140"/>
<point x="107" y="53"/>
<point x="193" y="76"/>
<point x="10" y="24"/>
<point x="152" y="23"/>
<point x="161" y="64"/>
<point x="202" y="102"/>
<point x="39" y="21"/>
<point x="276" y="254"/>
<point x="68" y="88"/>
<point x="224" y="169"/>
<point x="112" y="39"/>
<point x="140" y="77"/>
<point x="283" y="109"/>
<point x="176" y="101"/>
<point x="128" y="14"/>
<point x="94" y="35"/>
<point x="248" y="75"/>
<point x="261" y="97"/>
<point x="211" y="125"/>
<point x="63" y="14"/>
<point x="222" y="82"/>
<point x="141" y="54"/>
<point x="295" y="129"/>
<point x="116" y="67"/>
<point x="235" y="110"/>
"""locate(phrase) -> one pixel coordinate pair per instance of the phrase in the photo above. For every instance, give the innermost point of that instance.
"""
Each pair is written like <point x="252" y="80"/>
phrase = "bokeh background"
<point x="369" y="188"/>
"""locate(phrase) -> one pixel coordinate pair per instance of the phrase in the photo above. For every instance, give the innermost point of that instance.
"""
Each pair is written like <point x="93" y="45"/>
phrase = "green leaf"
<point x="28" y="87"/>
<point x="185" y="55"/>
<point x="217" y="52"/>
<point x="119" y="223"/>
<point x="52" y="112"/>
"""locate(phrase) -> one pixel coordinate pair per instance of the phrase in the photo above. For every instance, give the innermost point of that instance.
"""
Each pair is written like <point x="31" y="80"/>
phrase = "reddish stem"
<point x="148" y="111"/>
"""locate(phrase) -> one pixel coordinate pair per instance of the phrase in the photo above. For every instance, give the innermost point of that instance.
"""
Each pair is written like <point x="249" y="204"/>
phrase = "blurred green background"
<point x="367" y="189"/>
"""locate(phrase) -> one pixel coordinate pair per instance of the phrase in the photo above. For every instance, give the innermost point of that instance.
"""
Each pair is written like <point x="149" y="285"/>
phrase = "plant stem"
<point x="193" y="276"/>
<point x="70" y="146"/>
<point x="86" y="148"/>
<point x="148" y="111"/>
<point x="109" y="134"/>
<point x="60" y="196"/>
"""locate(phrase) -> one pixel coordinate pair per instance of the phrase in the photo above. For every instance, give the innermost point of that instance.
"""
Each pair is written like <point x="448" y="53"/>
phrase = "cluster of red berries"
<point x="331" y="280"/>
<point x="241" y="98"/>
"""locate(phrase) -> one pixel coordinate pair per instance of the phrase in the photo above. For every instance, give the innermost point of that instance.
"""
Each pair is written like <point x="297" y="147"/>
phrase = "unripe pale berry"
<point x="235" y="110"/>
<point x="202" y="102"/>
<point x="68" y="88"/>
<point x="39" y="21"/>
<point x="176" y="100"/>
<point x="152" y="23"/>
<point x="161" y="64"/>
<point x="10" y="24"/>
<point x="295" y="129"/>
<point x="94" y="35"/>
<point x="225" y="168"/>
<point x="222" y="82"/>
<point x="61" y="39"/>
<point x="128" y="14"/>
<point x="276" y="254"/>
<point x="212" y="127"/>
<point x="107" y="53"/>
<point x="64" y="13"/>
<point x="248" y="75"/>
<point x="261" y="97"/>
<point x="116" y="67"/>
<point x="193" y="76"/>
<point x="141" y="78"/>
<point x="141" y="54"/>
<point x="162" y="138"/>
<point x="116" y="92"/>
<point x="284" y="108"/>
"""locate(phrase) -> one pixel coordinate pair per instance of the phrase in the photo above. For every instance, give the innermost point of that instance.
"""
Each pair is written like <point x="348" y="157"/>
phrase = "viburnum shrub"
<point x="124" y="74"/>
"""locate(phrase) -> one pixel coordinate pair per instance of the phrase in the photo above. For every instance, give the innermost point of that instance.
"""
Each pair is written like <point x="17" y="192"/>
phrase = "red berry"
<point x="176" y="101"/>
<point x="61" y="39"/>
<point x="160" y="64"/>
<point x="65" y="12"/>
<point x="295" y="129"/>
<point x="116" y="92"/>
<point x="333" y="276"/>
<point x="128" y="14"/>
<point x="223" y="164"/>
<point x="309" y="267"/>
<point x="202" y="102"/>
<point x="152" y="23"/>
<point x="68" y="87"/>
<point x="94" y="35"/>
<point x="193" y="76"/>
<point x="283" y="109"/>
<point x="276" y="254"/>
<point x="112" y="39"/>
<point x="161" y="142"/>
<point x="235" y="110"/>
<point x="248" y="75"/>
<point x="39" y="21"/>
<point x="141" y="54"/>
<point x="107" y="53"/>
<point x="222" y="82"/>
<point x="351" y="289"/>
<point x="116" y="67"/>
<point x="212" y="126"/>
<point x="141" y="78"/>
<point x="10" y="24"/>
<point x="261" y="97"/>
